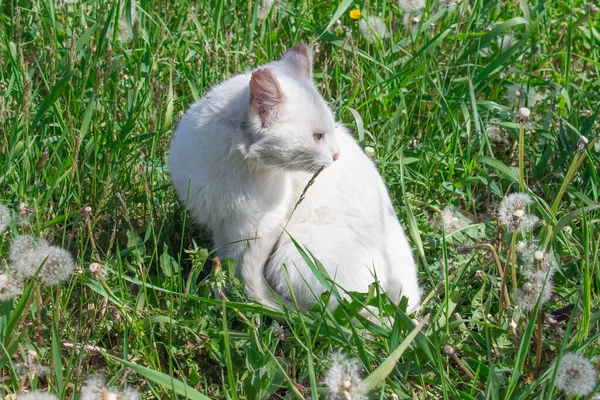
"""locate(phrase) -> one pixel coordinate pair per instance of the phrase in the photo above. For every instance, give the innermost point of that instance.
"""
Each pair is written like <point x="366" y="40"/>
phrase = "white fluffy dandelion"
<point x="522" y="93"/>
<point x="10" y="286"/>
<point x="343" y="379"/>
<point x="61" y="3"/>
<point x="373" y="28"/>
<point x="95" y="388"/>
<point x="524" y="113"/>
<point x="538" y="287"/>
<point x="37" y="395"/>
<point x="27" y="254"/>
<point x="265" y="8"/>
<point x="125" y="34"/>
<point x="58" y="267"/>
<point x="512" y="212"/>
<point x="23" y="254"/>
<point x="449" y="5"/>
<point x="5" y="218"/>
<point x="506" y="41"/>
<point x="453" y="220"/>
<point x="411" y="6"/>
<point x="575" y="375"/>
<point x="534" y="258"/>
<point x="496" y="133"/>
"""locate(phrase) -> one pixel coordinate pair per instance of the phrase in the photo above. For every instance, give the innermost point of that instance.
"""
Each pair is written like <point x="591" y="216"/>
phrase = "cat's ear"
<point x="299" y="58"/>
<point x="265" y="94"/>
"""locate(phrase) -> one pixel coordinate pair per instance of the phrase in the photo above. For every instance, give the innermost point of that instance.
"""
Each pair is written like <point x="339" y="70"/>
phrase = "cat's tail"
<point x="252" y="271"/>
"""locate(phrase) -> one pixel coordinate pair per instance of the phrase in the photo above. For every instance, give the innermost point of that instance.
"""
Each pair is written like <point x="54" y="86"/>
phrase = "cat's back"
<point x="207" y="128"/>
<point x="221" y="107"/>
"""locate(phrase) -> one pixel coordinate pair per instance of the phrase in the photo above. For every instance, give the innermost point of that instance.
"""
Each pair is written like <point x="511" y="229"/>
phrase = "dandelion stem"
<point x="57" y="305"/>
<point x="501" y="272"/>
<point x="539" y="344"/>
<point x="38" y="297"/>
<point x="522" y="156"/>
<point x="513" y="259"/>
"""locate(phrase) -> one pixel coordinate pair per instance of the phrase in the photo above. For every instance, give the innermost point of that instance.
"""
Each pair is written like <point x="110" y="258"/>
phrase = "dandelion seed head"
<point x="534" y="259"/>
<point x="449" y="5"/>
<point x="453" y="220"/>
<point x="411" y="6"/>
<point x="506" y="41"/>
<point x="370" y="152"/>
<point x="539" y="286"/>
<point x="129" y="394"/>
<point x="58" y="267"/>
<point x="5" y="218"/>
<point x="27" y="254"/>
<point x="522" y="94"/>
<point x="411" y="19"/>
<point x="61" y="3"/>
<point x="524" y="113"/>
<point x="373" y="28"/>
<point x="581" y="143"/>
<point x="94" y="388"/>
<point x="10" y="286"/>
<point x="509" y="212"/>
<point x="343" y="379"/>
<point x="265" y="8"/>
<point x="496" y="133"/>
<point x="24" y="252"/>
<point x="575" y="375"/>
<point x="37" y="395"/>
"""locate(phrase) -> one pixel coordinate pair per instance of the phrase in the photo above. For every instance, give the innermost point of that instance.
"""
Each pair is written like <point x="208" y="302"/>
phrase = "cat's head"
<point x="289" y="125"/>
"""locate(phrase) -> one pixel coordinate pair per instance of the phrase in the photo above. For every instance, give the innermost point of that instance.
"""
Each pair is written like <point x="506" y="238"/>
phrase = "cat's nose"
<point x="336" y="156"/>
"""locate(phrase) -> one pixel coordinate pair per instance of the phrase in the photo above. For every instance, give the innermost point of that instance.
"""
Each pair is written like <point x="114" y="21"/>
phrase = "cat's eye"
<point x="318" y="136"/>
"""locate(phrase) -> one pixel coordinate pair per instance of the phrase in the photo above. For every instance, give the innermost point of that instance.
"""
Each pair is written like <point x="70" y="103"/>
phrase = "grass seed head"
<point x="575" y="375"/>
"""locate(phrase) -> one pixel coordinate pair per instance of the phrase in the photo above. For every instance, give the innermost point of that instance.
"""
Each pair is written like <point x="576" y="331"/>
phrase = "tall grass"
<point x="90" y="93"/>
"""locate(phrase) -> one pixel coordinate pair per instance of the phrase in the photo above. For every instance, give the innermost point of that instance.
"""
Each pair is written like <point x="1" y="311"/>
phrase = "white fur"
<point x="241" y="175"/>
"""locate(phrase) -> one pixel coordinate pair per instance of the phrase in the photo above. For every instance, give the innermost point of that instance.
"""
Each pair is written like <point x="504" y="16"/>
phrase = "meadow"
<point x="459" y="103"/>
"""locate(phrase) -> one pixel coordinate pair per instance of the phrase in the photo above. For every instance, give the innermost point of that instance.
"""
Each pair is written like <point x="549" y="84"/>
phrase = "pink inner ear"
<point x="300" y="58"/>
<point x="265" y="94"/>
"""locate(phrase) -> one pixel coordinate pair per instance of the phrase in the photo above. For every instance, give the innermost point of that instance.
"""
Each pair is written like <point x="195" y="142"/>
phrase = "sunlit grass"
<point x="90" y="93"/>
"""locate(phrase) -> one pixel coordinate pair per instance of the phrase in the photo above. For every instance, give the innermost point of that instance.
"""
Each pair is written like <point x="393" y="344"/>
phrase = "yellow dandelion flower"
<point x="355" y="14"/>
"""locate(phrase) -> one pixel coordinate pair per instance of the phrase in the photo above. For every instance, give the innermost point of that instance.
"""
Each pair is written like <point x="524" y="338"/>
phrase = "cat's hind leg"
<point x="350" y="260"/>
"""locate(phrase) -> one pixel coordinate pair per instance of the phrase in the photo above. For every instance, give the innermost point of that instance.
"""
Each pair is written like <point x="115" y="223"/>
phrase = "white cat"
<point x="242" y="156"/>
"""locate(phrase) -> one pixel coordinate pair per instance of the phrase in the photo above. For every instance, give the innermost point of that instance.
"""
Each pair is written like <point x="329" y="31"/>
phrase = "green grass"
<point x="86" y="119"/>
